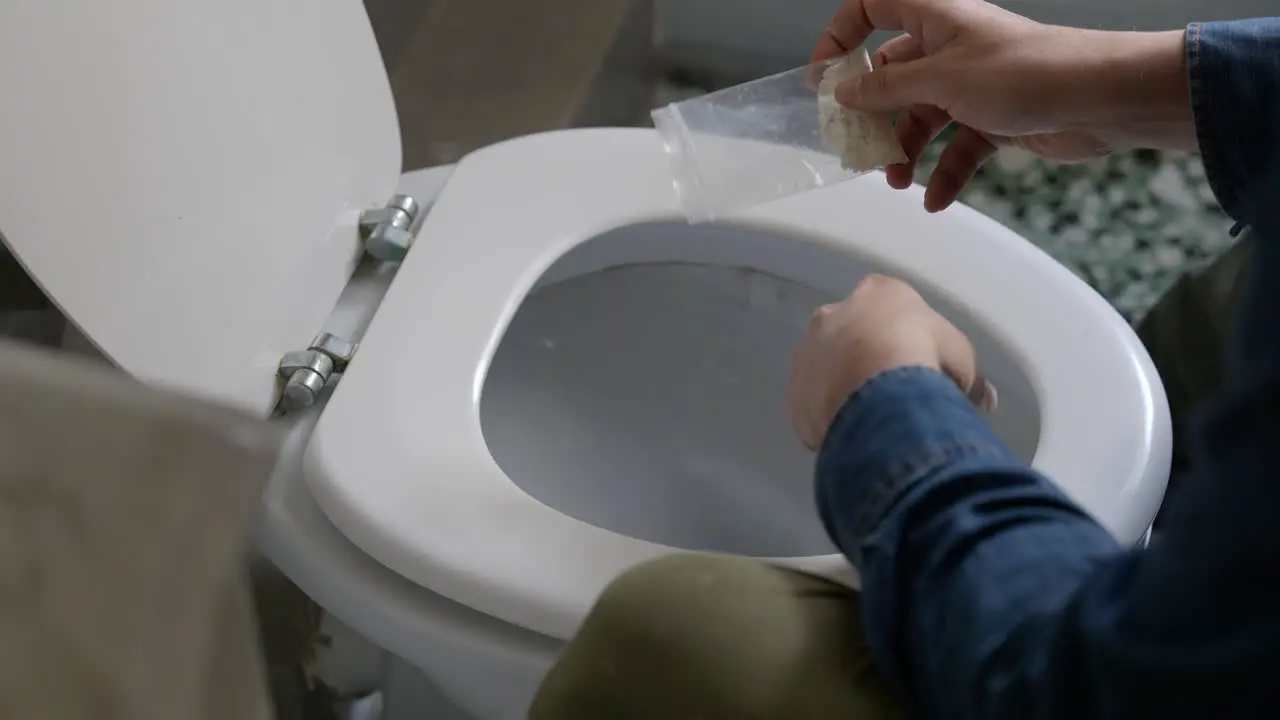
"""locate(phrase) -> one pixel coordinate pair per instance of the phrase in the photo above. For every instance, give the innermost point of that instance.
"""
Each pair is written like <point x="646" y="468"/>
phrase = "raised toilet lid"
<point x="184" y="179"/>
<point x="399" y="463"/>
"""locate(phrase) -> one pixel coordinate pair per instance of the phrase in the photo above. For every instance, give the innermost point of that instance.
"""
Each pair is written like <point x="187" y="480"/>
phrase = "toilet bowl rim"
<point x="469" y="577"/>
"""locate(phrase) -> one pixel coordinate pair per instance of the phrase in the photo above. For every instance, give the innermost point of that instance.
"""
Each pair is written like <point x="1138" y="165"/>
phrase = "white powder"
<point x="863" y="140"/>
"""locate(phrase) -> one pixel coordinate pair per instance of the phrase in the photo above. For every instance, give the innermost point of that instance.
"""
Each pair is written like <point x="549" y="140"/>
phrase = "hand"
<point x="1063" y="93"/>
<point x="884" y="324"/>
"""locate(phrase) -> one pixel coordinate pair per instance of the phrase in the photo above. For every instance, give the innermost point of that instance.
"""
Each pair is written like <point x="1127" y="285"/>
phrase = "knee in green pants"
<point x="718" y="638"/>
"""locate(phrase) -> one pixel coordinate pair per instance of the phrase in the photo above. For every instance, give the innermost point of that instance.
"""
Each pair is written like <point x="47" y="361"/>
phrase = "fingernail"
<point x="931" y="198"/>
<point x="983" y="394"/>
<point x="898" y="175"/>
<point x="990" y="399"/>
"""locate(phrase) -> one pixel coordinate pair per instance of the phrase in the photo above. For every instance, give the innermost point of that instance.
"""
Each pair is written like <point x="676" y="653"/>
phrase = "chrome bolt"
<point x="386" y="229"/>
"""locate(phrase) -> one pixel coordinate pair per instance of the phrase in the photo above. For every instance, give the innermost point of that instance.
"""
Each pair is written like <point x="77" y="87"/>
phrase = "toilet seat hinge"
<point x="307" y="372"/>
<point x="389" y="231"/>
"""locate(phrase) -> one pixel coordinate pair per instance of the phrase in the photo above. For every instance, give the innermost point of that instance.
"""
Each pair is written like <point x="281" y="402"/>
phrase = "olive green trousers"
<point x="723" y="638"/>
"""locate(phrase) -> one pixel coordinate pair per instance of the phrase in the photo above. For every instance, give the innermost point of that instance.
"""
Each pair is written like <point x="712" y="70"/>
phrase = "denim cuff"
<point x="1233" y="71"/>
<point x="896" y="429"/>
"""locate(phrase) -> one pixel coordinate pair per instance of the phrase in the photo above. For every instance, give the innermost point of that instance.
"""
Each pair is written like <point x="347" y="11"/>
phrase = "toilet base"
<point x="407" y="694"/>
<point x="375" y="684"/>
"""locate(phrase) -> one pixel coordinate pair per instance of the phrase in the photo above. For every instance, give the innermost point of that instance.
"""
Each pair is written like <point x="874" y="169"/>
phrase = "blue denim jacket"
<point x="988" y="594"/>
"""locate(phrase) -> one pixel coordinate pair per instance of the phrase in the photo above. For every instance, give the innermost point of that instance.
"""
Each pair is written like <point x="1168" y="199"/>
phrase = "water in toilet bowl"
<point x="639" y="387"/>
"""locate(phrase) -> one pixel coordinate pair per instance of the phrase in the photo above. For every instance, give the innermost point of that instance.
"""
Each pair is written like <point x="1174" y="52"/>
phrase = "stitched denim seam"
<point x="1201" y="118"/>
<point x="901" y="476"/>
<point x="855" y="397"/>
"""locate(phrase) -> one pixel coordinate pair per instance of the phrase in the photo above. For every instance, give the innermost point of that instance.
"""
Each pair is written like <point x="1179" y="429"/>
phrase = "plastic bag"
<point x="772" y="137"/>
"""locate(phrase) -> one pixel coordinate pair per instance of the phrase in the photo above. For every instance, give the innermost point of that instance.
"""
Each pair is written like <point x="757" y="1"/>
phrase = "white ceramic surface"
<point x="489" y="667"/>
<point x="399" y="461"/>
<point x="184" y="178"/>
<point x="646" y="398"/>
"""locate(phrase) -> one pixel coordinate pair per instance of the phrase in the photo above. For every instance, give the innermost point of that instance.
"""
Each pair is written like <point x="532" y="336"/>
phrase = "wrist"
<point x="869" y="367"/>
<point x="1133" y="90"/>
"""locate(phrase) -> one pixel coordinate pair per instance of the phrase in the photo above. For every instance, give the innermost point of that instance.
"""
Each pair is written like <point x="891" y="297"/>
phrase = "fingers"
<point x="955" y="354"/>
<point x="803" y="411"/>
<point x="966" y="152"/>
<point x="900" y="49"/>
<point x="829" y="46"/>
<point x="960" y="363"/>
<point x="796" y="407"/>
<point x="917" y="126"/>
<point x="881" y="325"/>
<point x="857" y="19"/>
<point x="794" y="400"/>
<point x="983" y="394"/>
<point x="895" y="85"/>
<point x="847" y="30"/>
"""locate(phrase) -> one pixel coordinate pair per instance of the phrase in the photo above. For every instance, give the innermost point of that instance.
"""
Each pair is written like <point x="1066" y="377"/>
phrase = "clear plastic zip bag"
<point x="773" y="137"/>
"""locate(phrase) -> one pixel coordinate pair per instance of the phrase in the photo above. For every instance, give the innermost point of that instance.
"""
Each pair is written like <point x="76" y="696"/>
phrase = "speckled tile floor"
<point x="1129" y="224"/>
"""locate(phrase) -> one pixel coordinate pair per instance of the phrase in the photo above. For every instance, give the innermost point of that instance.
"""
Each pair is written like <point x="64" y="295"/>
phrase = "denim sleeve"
<point x="1234" y="71"/>
<point x="988" y="595"/>
<point x="959" y="544"/>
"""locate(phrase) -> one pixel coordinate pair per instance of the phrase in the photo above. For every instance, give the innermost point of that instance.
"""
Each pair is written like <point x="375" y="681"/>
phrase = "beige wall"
<point x="467" y="73"/>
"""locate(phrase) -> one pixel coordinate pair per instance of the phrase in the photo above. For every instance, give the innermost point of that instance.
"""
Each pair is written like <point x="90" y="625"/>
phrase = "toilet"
<point x="546" y="378"/>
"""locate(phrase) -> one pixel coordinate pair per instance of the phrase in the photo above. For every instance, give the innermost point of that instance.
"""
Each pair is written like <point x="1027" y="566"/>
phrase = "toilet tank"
<point x="718" y="42"/>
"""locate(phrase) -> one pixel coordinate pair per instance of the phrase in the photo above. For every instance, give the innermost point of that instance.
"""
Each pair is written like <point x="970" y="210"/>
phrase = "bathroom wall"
<point x="468" y="73"/>
<point x="715" y="42"/>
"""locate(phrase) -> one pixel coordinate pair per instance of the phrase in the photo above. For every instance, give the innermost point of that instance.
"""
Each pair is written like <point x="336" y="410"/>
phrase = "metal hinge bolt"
<point x="387" y="231"/>
<point x="306" y="372"/>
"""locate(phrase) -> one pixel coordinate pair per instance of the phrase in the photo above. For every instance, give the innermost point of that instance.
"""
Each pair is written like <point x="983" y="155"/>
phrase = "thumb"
<point x="894" y="86"/>
<point x="983" y="394"/>
<point x="959" y="361"/>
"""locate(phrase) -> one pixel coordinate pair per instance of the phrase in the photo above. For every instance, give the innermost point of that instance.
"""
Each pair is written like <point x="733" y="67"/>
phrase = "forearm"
<point x="1133" y="90"/>
<point x="959" y="543"/>
<point x="1213" y="88"/>
<point x="987" y="594"/>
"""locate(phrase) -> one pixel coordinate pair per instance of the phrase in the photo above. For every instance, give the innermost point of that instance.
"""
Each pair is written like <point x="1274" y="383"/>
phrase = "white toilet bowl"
<point x="411" y="467"/>
<point x="561" y="380"/>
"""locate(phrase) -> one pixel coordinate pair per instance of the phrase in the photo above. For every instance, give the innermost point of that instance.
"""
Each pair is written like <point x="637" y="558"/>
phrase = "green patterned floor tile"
<point x="1129" y="224"/>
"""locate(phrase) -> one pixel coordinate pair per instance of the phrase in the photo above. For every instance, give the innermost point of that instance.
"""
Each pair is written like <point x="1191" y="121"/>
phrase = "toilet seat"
<point x="399" y="463"/>
<point x="185" y="181"/>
